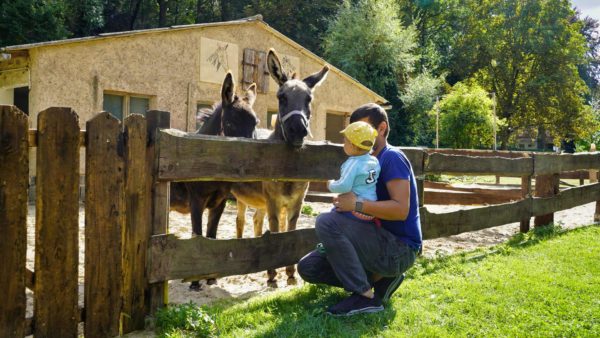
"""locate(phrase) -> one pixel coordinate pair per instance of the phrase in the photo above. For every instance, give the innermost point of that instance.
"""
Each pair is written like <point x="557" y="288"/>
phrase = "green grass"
<point x="544" y="284"/>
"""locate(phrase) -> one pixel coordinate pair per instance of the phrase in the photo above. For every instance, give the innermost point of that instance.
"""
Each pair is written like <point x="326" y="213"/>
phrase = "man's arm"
<point x="394" y="209"/>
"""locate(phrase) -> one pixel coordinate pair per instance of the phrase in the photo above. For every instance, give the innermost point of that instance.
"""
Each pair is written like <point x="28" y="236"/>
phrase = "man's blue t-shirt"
<point x="395" y="165"/>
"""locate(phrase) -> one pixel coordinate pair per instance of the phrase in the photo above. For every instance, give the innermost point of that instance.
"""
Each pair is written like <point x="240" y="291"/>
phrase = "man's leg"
<point x="315" y="268"/>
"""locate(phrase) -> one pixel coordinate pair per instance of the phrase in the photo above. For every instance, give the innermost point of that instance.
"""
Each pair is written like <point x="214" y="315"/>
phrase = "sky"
<point x="588" y="8"/>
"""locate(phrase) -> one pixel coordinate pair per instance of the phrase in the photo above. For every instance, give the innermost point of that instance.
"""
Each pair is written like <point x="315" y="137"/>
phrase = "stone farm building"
<point x="177" y="69"/>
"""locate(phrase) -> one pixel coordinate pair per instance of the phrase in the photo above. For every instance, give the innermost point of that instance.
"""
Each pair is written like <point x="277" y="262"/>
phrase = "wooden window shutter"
<point x="250" y="68"/>
<point x="263" y="73"/>
<point x="255" y="70"/>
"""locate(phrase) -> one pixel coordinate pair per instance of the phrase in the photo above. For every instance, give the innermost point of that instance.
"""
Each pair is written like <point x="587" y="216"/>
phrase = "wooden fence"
<point x="130" y="255"/>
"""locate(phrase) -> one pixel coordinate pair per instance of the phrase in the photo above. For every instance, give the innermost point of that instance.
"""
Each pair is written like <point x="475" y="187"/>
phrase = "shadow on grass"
<point x="424" y="266"/>
<point x="300" y="313"/>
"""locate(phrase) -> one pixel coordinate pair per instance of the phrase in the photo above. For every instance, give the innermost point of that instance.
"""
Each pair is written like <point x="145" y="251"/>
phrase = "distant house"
<point x="178" y="69"/>
<point x="527" y="140"/>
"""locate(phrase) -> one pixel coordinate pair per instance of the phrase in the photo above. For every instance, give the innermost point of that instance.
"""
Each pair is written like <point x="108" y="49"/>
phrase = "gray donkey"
<point x="282" y="201"/>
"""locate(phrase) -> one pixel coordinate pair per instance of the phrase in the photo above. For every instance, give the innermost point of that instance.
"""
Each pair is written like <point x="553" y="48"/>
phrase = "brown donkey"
<point x="233" y="116"/>
<point x="282" y="201"/>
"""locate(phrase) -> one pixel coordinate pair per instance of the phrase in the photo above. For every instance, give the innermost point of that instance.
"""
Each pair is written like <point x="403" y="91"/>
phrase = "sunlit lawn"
<point x="541" y="284"/>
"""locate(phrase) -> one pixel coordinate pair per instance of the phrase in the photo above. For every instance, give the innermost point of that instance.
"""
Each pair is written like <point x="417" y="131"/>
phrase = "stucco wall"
<point x="164" y="65"/>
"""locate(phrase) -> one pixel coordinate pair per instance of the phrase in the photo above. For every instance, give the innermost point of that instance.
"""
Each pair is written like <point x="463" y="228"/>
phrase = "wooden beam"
<point x="545" y="186"/>
<point x="14" y="179"/>
<point x="453" y="223"/>
<point x="201" y="257"/>
<point x="159" y="193"/>
<point x="440" y="197"/>
<point x="104" y="219"/>
<point x="136" y="232"/>
<point x="554" y="163"/>
<point x="33" y="135"/>
<point x="184" y="156"/>
<point x="457" y="164"/>
<point x="57" y="224"/>
<point x="481" y="153"/>
<point x="566" y="199"/>
<point x="525" y="193"/>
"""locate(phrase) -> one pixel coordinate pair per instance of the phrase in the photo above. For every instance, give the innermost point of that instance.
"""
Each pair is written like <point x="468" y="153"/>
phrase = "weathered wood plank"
<point x="185" y="156"/>
<point x="481" y="153"/>
<point x="525" y="193"/>
<point x="30" y="279"/>
<point x="439" y="197"/>
<point x="566" y="199"/>
<point x="555" y="163"/>
<point x="159" y="216"/>
<point x="417" y="158"/>
<point x="545" y="186"/>
<point x="201" y="257"/>
<point x="447" y="224"/>
<point x="104" y="219"/>
<point x="33" y="138"/>
<point x="57" y="226"/>
<point x="14" y="180"/>
<point x="136" y="232"/>
<point x="456" y="164"/>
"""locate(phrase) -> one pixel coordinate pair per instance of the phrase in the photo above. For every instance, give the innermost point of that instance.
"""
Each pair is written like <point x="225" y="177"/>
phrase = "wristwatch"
<point x="358" y="206"/>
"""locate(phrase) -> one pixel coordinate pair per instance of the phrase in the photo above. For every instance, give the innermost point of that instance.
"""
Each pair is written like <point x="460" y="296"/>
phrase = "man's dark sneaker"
<point x="356" y="304"/>
<point x="385" y="287"/>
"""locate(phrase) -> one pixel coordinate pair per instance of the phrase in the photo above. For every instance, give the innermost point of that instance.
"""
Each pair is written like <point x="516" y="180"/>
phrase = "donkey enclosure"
<point x="129" y="254"/>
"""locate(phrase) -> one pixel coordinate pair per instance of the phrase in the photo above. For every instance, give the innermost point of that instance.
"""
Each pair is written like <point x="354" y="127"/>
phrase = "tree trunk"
<point x="162" y="12"/>
<point x="541" y="139"/>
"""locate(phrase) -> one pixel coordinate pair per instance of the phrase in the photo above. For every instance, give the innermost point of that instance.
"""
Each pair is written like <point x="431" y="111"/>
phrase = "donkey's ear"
<point x="228" y="89"/>
<point x="317" y="78"/>
<point x="274" y="66"/>
<point x="251" y="94"/>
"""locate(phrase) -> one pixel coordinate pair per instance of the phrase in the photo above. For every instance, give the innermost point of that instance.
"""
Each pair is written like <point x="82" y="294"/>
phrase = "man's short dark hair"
<point x="374" y="112"/>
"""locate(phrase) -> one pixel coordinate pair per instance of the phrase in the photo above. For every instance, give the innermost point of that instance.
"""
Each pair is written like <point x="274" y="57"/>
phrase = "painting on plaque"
<point x="216" y="58"/>
<point x="290" y="64"/>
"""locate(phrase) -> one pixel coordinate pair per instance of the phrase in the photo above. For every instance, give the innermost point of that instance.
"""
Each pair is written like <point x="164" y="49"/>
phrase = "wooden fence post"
<point x="159" y="218"/>
<point x="14" y="179"/>
<point x="104" y="219"/>
<point x="136" y="232"/>
<point x="546" y="186"/>
<point x="594" y="179"/>
<point x="56" y="224"/>
<point x="525" y="193"/>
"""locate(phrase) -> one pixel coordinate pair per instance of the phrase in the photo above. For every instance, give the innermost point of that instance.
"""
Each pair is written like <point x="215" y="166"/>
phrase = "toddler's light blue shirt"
<point x="359" y="175"/>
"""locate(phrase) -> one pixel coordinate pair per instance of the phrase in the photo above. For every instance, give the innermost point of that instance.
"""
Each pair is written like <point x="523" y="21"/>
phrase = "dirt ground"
<point x="246" y="286"/>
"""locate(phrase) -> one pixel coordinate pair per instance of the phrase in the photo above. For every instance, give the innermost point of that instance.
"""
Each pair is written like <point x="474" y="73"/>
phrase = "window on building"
<point x="335" y="123"/>
<point x="122" y="105"/>
<point x="271" y="119"/>
<point x="21" y="99"/>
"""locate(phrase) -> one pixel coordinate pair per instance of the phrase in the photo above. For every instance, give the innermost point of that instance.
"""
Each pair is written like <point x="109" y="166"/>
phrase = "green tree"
<point x="368" y="41"/>
<point x="527" y="52"/>
<point x="26" y="21"/>
<point x="418" y="97"/>
<point x="84" y="18"/>
<point x="466" y="118"/>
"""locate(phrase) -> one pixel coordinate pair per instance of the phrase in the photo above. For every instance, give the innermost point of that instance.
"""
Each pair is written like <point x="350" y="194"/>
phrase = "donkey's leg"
<point x="273" y="214"/>
<point x="214" y="216"/>
<point x="240" y="220"/>
<point x="259" y="219"/>
<point x="197" y="209"/>
<point x="293" y="213"/>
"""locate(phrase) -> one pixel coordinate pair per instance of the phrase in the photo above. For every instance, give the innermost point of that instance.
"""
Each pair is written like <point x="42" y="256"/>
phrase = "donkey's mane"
<point x="211" y="119"/>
